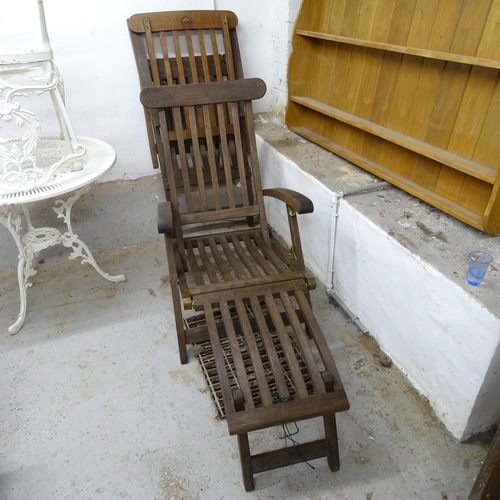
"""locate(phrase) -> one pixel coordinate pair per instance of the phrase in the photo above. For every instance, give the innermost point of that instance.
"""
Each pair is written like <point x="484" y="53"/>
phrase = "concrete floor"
<point x="95" y="405"/>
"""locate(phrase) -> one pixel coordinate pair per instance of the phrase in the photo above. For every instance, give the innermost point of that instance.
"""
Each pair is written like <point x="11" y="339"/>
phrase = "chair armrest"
<point x="296" y="201"/>
<point x="165" y="220"/>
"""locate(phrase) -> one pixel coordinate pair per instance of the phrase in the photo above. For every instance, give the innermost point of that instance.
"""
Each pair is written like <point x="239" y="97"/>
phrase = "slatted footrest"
<point x="278" y="370"/>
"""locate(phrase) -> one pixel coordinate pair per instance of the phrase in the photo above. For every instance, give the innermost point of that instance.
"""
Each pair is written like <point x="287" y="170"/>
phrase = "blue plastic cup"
<point x="478" y="265"/>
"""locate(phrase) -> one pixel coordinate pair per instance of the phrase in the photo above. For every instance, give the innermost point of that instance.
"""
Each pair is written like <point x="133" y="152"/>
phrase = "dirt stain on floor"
<point x="181" y="375"/>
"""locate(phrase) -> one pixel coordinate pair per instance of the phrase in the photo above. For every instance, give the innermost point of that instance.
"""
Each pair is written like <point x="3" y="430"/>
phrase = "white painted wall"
<point x="440" y="336"/>
<point x="92" y="49"/>
<point x="284" y="14"/>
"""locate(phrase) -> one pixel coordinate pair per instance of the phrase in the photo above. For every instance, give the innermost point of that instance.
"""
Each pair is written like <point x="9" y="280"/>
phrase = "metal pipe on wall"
<point x="335" y="202"/>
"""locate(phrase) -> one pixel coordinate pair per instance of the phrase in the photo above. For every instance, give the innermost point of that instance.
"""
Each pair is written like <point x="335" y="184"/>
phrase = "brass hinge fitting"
<point x="187" y="300"/>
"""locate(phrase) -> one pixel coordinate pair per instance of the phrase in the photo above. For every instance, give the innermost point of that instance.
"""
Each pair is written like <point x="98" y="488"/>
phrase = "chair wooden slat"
<point x="219" y="260"/>
<point x="173" y="172"/>
<point x="232" y="257"/>
<point x="197" y="160"/>
<point x="258" y="256"/>
<point x="183" y="286"/>
<point x="265" y="334"/>
<point x="225" y="129"/>
<point x="166" y="60"/>
<point x="253" y="351"/>
<point x="207" y="77"/>
<point x="319" y="339"/>
<point x="178" y="57"/>
<point x="238" y="139"/>
<point x="228" y="49"/>
<point x="281" y="331"/>
<point x="241" y="288"/>
<point x="239" y="364"/>
<point x="212" y="158"/>
<point x="178" y="126"/>
<point x="300" y="409"/>
<point x="152" y="52"/>
<point x="151" y="138"/>
<point x="191" y="55"/>
<point x="221" y="231"/>
<point x="219" y="359"/>
<point x="193" y="263"/>
<point x="270" y="254"/>
<point x="201" y="132"/>
<point x="180" y="66"/>
<point x="244" y="257"/>
<point x="301" y="338"/>
<point x="215" y="51"/>
<point x="216" y="215"/>
<point x="207" y="265"/>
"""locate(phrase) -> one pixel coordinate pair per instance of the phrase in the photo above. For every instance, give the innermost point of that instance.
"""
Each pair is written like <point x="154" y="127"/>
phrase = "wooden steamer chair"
<point x="223" y="260"/>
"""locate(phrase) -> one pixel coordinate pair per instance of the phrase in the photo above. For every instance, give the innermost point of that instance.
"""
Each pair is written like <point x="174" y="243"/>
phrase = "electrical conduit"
<point x="335" y="202"/>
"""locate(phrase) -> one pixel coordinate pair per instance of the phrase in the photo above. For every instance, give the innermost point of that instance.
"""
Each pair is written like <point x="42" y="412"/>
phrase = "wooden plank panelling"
<point x="409" y="87"/>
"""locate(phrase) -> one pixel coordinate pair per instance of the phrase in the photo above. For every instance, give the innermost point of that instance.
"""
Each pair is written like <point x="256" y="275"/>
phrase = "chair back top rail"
<point x="182" y="47"/>
<point x="183" y="19"/>
<point x="198" y="94"/>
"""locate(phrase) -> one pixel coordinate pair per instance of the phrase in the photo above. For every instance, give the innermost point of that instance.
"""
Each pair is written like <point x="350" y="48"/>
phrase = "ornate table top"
<point x="99" y="157"/>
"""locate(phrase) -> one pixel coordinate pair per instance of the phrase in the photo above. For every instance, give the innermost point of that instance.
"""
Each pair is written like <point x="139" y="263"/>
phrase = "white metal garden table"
<point x="97" y="159"/>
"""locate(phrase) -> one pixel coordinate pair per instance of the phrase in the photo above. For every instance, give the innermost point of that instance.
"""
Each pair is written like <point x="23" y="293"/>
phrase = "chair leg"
<point x="179" y="324"/>
<point x="243" y="444"/>
<point x="246" y="462"/>
<point x="332" y="440"/>
<point x="181" y="341"/>
<point x="331" y="427"/>
<point x="176" y="300"/>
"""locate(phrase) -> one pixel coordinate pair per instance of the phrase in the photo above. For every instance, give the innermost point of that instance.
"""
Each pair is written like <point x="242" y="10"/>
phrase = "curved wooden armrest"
<point x="296" y="201"/>
<point x="165" y="220"/>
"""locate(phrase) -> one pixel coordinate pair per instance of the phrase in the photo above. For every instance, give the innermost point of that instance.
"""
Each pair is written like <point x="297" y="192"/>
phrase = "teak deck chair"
<point x="223" y="259"/>
<point x="214" y="221"/>
<point x="179" y="47"/>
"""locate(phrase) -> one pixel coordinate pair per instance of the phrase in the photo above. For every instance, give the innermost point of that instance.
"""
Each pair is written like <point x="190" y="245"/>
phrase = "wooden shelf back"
<point x="408" y="90"/>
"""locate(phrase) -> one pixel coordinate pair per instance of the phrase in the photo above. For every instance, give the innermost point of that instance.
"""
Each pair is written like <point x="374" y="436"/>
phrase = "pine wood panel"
<point x="409" y="87"/>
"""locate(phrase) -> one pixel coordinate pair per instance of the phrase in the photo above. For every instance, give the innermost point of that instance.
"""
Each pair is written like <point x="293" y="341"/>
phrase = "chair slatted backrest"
<point x="181" y="47"/>
<point x="217" y="161"/>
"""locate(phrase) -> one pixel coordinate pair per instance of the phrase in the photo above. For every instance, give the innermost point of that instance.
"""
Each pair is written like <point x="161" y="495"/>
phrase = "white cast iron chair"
<point x="28" y="76"/>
